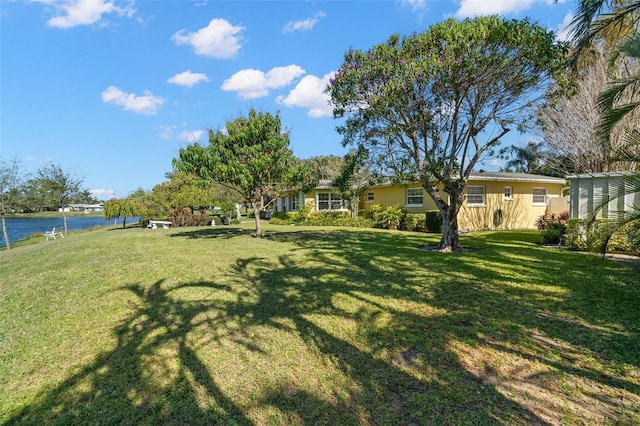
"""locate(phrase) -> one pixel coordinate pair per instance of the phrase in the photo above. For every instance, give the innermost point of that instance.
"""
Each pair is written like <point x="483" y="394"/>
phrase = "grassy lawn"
<point x="314" y="326"/>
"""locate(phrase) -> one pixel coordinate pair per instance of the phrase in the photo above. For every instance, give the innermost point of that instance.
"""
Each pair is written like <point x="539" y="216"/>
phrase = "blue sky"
<point x="110" y="90"/>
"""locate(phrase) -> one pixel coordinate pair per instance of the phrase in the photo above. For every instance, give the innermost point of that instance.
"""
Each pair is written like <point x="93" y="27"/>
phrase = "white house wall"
<point x="588" y="191"/>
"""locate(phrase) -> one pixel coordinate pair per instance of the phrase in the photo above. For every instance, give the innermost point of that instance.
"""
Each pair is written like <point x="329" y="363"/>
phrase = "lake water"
<point x="21" y="228"/>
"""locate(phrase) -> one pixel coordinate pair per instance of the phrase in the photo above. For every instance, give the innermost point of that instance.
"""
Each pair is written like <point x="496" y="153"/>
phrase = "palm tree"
<point x="615" y="22"/>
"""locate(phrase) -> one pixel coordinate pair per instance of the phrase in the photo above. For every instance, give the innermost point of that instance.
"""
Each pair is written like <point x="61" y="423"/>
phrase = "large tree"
<point x="615" y="22"/>
<point x="571" y="122"/>
<point x="250" y="155"/>
<point x="11" y="175"/>
<point x="429" y="106"/>
<point x="57" y="186"/>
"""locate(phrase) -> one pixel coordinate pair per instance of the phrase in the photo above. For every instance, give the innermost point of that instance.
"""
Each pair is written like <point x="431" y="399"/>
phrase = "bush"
<point x="553" y="233"/>
<point x="414" y="222"/>
<point x="281" y="218"/>
<point x="390" y="217"/>
<point x="433" y="221"/>
<point x="302" y="214"/>
<point x="594" y="238"/>
<point x="576" y="234"/>
<point x="543" y="221"/>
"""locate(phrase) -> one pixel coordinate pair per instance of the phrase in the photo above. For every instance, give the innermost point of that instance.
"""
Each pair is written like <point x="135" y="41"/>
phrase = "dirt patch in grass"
<point x="554" y="395"/>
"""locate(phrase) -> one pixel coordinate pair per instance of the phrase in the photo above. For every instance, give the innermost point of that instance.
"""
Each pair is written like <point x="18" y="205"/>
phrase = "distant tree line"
<point x="50" y="188"/>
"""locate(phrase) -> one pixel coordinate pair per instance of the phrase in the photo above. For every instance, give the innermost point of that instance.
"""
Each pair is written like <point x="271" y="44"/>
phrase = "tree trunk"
<point x="257" y="206"/>
<point x="354" y="207"/>
<point x="64" y="220"/>
<point x="6" y="235"/>
<point x="450" y="241"/>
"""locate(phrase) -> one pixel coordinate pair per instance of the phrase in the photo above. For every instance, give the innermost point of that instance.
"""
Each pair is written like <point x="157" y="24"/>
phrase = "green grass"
<point x="314" y="326"/>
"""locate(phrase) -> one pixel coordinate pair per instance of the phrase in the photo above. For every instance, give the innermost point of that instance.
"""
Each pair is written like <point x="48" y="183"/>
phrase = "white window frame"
<point x="371" y="196"/>
<point x="333" y="199"/>
<point x="508" y="193"/>
<point x="415" y="197"/>
<point x="543" y="195"/>
<point x="293" y="202"/>
<point x="473" y="202"/>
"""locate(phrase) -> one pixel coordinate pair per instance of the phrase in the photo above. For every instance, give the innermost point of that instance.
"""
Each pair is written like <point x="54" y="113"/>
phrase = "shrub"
<point x="302" y="214"/>
<point x="543" y="221"/>
<point x="281" y="218"/>
<point x="390" y="217"/>
<point x="374" y="212"/>
<point x="413" y="222"/>
<point x="553" y="233"/>
<point x="576" y="234"/>
<point x="600" y="235"/>
<point x="433" y="221"/>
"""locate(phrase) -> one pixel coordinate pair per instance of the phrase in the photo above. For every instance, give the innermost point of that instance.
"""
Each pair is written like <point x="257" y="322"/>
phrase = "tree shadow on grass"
<point x="211" y="232"/>
<point x="348" y="328"/>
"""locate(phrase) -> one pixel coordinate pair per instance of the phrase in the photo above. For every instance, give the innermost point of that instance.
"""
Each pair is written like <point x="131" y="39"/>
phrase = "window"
<point x="507" y="193"/>
<point x="294" y="202"/>
<point x="370" y="197"/>
<point x="540" y="196"/>
<point x="414" y="197"/>
<point x="475" y="195"/>
<point x="329" y="201"/>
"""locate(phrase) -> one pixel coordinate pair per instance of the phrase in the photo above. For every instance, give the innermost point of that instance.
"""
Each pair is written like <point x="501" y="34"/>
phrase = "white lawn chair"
<point x="53" y="233"/>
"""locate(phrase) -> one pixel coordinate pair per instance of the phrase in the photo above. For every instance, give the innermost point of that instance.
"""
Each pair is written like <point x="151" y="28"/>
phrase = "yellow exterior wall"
<point x="396" y="195"/>
<point x="310" y="200"/>
<point x="517" y="213"/>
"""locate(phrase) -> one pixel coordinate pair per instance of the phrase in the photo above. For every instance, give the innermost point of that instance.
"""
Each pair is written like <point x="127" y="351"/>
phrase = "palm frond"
<point x="612" y="114"/>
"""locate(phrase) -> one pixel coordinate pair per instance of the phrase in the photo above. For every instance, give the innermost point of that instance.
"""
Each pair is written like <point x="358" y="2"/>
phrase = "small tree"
<point x="430" y="106"/>
<point x="355" y="178"/>
<point x="124" y="208"/>
<point x="251" y="157"/>
<point x="10" y="183"/>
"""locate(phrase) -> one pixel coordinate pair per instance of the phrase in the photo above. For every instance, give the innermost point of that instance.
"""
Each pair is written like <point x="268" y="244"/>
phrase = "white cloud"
<point x="414" y="4"/>
<point x="304" y="25"/>
<point x="309" y="93"/>
<point x="70" y="13"/>
<point x="188" y="78"/>
<point x="166" y="131"/>
<point x="103" y="194"/>
<point x="470" y="8"/>
<point x="147" y="104"/>
<point x="219" y="39"/>
<point x="564" y="29"/>
<point x="190" y="136"/>
<point x="251" y="84"/>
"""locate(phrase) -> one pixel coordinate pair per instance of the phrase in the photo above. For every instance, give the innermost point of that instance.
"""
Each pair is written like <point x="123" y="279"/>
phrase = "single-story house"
<point x="495" y="200"/>
<point x="589" y="190"/>
<point x="85" y="207"/>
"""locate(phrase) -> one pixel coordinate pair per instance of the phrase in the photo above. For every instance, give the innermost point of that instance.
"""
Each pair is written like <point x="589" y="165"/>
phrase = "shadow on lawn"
<point x="397" y="356"/>
<point x="212" y="232"/>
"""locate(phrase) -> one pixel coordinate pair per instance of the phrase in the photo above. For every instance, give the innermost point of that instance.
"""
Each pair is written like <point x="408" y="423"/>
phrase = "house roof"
<point x="514" y="177"/>
<point x="476" y="176"/>
<point x="600" y="175"/>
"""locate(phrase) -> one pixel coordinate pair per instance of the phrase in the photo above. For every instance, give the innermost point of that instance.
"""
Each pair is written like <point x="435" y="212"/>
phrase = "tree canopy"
<point x="11" y="176"/>
<point x="431" y="105"/>
<point x="250" y="156"/>
<point x="124" y="208"/>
